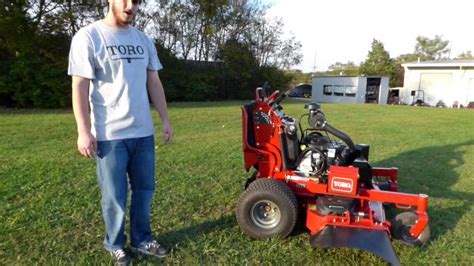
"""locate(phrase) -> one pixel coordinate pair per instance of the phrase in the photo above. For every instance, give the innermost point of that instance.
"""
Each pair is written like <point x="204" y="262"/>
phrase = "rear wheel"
<point x="401" y="225"/>
<point x="267" y="208"/>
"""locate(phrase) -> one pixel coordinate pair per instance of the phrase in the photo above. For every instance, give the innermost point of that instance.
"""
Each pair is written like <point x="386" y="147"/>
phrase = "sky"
<point x="342" y="30"/>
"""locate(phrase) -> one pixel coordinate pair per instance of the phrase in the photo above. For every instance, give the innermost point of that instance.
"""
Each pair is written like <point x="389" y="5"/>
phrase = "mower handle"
<point x="259" y="94"/>
<point x="283" y="96"/>
<point x="272" y="98"/>
<point x="279" y="98"/>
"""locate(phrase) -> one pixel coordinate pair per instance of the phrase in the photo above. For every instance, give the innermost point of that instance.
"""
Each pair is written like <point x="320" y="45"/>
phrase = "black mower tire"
<point x="263" y="194"/>
<point x="401" y="225"/>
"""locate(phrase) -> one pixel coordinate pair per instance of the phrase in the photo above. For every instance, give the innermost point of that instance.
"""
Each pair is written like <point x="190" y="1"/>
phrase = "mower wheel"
<point x="401" y="226"/>
<point x="267" y="208"/>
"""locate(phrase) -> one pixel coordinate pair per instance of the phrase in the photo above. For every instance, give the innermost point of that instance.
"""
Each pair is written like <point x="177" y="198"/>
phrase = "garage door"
<point x="436" y="86"/>
<point x="470" y="95"/>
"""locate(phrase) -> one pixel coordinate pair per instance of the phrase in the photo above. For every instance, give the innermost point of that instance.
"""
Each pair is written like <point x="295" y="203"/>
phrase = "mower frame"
<point x="262" y="132"/>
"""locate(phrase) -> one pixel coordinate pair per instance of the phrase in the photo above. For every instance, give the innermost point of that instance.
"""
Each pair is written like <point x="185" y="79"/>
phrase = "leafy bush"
<point x="36" y="77"/>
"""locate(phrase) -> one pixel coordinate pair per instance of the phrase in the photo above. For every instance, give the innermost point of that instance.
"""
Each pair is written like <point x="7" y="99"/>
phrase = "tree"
<point x="378" y="61"/>
<point x="265" y="38"/>
<point x="208" y="47"/>
<point x="399" y="72"/>
<point x="338" y="68"/>
<point x="288" y="54"/>
<point x="396" y="80"/>
<point x="195" y="29"/>
<point x="297" y="77"/>
<point x="425" y="49"/>
<point x="240" y="66"/>
<point x="431" y="49"/>
<point x="34" y="44"/>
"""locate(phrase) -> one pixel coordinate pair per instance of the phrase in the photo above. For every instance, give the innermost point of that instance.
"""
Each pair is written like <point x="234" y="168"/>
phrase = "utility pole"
<point x="314" y="63"/>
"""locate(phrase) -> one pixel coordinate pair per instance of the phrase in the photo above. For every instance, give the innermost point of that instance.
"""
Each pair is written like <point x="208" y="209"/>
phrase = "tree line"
<point x="210" y="49"/>
<point x="379" y="61"/>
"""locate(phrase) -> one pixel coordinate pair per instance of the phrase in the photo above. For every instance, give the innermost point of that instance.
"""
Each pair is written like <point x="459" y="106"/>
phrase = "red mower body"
<point x="344" y="194"/>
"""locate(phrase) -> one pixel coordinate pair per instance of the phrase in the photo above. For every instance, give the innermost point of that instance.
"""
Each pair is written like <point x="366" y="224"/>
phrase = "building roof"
<point x="440" y="64"/>
<point x="360" y="76"/>
<point x="302" y="84"/>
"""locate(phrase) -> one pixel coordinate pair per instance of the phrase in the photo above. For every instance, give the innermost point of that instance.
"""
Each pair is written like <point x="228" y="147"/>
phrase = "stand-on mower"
<point x="306" y="173"/>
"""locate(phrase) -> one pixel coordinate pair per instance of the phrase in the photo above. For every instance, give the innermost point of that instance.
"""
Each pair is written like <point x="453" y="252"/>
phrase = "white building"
<point x="448" y="81"/>
<point x="350" y="89"/>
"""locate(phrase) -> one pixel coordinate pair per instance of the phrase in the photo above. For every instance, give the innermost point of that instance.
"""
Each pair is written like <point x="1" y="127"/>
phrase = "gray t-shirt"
<point x="116" y="61"/>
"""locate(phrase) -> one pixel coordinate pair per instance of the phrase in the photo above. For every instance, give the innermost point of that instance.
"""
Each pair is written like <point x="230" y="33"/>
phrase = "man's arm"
<point x="86" y="142"/>
<point x="157" y="95"/>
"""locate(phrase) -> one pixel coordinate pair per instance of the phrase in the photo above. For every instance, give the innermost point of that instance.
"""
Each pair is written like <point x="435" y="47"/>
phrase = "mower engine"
<point x="321" y="152"/>
<point x="312" y="155"/>
<point x="321" y="171"/>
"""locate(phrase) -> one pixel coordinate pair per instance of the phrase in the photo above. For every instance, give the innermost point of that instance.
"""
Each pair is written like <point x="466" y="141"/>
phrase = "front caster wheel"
<point x="267" y="208"/>
<point x="401" y="225"/>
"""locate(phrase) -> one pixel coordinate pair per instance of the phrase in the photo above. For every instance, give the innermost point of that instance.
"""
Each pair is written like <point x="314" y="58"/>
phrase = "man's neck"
<point x="111" y="21"/>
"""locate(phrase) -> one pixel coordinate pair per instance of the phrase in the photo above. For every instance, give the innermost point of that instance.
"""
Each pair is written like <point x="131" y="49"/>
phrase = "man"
<point x="113" y="66"/>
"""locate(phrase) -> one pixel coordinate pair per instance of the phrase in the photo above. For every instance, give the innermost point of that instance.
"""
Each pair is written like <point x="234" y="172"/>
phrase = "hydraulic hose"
<point x="317" y="120"/>
<point x="327" y="127"/>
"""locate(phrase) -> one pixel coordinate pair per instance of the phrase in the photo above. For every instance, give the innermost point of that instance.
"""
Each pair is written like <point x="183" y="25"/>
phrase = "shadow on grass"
<point x="432" y="171"/>
<point x="182" y="236"/>
<point x="178" y="239"/>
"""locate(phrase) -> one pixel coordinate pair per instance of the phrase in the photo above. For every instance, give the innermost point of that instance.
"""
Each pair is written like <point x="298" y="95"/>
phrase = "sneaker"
<point x="120" y="257"/>
<point x="152" y="248"/>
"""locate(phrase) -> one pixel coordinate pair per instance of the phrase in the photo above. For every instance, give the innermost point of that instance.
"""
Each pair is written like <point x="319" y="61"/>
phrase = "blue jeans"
<point x="117" y="160"/>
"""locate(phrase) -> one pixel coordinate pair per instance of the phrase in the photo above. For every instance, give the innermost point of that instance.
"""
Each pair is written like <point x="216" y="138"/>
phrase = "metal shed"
<point x="350" y="89"/>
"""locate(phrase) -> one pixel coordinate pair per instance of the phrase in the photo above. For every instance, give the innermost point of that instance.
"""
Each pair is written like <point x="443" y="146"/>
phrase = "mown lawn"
<point x="50" y="212"/>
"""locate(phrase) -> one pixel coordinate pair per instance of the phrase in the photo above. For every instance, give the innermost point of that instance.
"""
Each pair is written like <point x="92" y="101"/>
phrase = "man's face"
<point x="124" y="10"/>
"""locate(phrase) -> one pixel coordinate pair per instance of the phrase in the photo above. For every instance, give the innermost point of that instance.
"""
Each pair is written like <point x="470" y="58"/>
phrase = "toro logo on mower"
<point x="342" y="184"/>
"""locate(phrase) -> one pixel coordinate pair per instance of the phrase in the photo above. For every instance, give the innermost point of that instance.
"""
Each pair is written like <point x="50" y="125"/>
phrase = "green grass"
<point x="50" y="211"/>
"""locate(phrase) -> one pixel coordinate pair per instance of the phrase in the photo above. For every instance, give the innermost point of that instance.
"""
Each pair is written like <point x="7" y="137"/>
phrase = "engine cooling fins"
<point x="374" y="241"/>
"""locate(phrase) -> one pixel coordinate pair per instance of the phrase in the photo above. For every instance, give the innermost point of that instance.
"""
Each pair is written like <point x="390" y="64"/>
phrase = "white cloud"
<point x="342" y="30"/>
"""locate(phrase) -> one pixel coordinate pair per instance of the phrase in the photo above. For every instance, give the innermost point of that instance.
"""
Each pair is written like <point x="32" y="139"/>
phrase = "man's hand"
<point x="167" y="133"/>
<point x="157" y="96"/>
<point x="86" y="142"/>
<point x="87" y="145"/>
